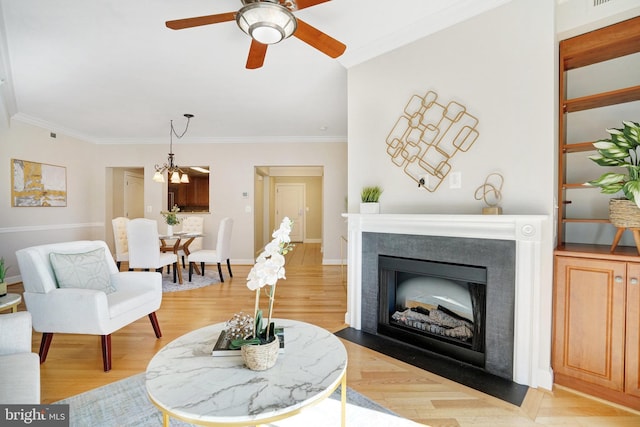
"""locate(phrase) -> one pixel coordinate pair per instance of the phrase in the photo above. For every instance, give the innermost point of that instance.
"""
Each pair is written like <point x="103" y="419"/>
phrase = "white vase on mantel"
<point x="169" y="230"/>
<point x="370" y="208"/>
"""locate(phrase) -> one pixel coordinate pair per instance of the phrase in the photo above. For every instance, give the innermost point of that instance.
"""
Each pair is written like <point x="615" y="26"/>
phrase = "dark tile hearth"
<point x="453" y="370"/>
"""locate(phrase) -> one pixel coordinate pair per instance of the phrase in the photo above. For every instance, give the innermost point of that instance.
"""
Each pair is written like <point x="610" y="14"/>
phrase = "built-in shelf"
<point x="586" y="220"/>
<point x="609" y="43"/>
<point x="604" y="99"/>
<point x="578" y="147"/>
<point x="578" y="186"/>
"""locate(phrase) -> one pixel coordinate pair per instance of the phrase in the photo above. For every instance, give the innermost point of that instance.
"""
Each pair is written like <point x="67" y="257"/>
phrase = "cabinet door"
<point x="589" y="321"/>
<point x="632" y="361"/>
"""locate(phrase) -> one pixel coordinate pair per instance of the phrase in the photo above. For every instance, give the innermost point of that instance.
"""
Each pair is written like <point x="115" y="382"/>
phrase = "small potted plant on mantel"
<point x="621" y="150"/>
<point x="369" y="198"/>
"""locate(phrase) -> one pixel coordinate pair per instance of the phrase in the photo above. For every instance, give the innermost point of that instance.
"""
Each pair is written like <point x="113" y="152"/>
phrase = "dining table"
<point x="175" y="243"/>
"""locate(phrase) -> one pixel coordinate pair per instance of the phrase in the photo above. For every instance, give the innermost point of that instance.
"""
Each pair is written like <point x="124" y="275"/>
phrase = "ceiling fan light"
<point x="267" y="23"/>
<point x="158" y="177"/>
<point x="266" y="34"/>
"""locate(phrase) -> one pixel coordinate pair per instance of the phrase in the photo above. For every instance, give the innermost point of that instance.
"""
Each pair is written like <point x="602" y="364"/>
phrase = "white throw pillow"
<point x="88" y="270"/>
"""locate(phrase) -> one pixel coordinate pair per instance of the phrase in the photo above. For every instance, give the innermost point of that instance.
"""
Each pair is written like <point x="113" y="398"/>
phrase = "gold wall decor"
<point x="427" y="136"/>
<point x="37" y="184"/>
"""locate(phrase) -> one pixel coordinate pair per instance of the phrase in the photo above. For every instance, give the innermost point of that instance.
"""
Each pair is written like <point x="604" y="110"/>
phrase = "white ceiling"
<point x="109" y="71"/>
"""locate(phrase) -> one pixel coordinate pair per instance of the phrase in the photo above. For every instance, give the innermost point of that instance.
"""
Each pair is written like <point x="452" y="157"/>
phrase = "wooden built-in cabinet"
<point x="596" y="313"/>
<point x="596" y="320"/>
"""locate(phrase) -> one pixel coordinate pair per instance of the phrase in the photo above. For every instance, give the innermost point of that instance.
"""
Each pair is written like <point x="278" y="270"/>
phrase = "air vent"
<point x="600" y="2"/>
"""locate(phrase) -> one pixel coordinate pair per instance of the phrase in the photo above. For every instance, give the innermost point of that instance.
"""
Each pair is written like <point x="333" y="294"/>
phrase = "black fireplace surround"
<point x="497" y="256"/>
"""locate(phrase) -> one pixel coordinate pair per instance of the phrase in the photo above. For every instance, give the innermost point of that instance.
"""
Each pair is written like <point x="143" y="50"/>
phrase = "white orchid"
<point x="269" y="267"/>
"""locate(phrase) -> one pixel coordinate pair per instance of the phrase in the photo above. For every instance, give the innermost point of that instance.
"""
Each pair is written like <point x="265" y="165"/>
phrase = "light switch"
<point x="455" y="180"/>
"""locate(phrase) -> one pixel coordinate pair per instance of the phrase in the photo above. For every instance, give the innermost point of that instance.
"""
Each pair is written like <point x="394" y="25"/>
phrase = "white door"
<point x="133" y="195"/>
<point x="290" y="202"/>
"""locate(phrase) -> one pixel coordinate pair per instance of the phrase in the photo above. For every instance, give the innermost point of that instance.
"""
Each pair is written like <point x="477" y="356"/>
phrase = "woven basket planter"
<point x="260" y="357"/>
<point x="624" y="213"/>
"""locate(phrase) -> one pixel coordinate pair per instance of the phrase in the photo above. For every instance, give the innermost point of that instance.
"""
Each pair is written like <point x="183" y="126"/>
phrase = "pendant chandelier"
<point x="174" y="173"/>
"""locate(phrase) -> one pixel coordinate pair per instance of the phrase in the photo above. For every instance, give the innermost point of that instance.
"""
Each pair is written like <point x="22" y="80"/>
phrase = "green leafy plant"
<point x="170" y="217"/>
<point x="621" y="150"/>
<point x="370" y="194"/>
<point x="3" y="270"/>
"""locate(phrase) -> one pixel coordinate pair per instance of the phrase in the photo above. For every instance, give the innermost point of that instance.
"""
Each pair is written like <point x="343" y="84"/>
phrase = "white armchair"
<point x="82" y="308"/>
<point x="19" y="367"/>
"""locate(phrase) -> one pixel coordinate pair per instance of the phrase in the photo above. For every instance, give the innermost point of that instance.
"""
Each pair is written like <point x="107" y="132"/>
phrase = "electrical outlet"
<point x="455" y="180"/>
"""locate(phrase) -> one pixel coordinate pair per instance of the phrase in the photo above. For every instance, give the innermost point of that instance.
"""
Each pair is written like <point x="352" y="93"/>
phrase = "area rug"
<point x="210" y="277"/>
<point x="125" y="403"/>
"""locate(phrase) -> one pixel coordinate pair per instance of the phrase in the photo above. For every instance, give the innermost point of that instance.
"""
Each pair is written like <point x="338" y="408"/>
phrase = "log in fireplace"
<point x="437" y="306"/>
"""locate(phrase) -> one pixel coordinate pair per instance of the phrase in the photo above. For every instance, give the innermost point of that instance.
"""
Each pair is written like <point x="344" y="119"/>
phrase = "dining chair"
<point x="192" y="225"/>
<point x="221" y="253"/>
<point x="144" y="247"/>
<point x="120" y="239"/>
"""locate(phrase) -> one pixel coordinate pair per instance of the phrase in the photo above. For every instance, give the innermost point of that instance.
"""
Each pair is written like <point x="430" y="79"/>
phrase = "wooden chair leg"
<point x="220" y="273"/>
<point x="190" y="270"/>
<point x="229" y="267"/>
<point x="202" y="267"/>
<point x="175" y="271"/>
<point x="155" y="324"/>
<point x="106" y="352"/>
<point x="44" y="345"/>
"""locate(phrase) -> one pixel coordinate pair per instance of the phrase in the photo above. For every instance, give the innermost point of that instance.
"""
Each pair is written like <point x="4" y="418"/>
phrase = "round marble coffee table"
<point x="10" y="302"/>
<point x="185" y="382"/>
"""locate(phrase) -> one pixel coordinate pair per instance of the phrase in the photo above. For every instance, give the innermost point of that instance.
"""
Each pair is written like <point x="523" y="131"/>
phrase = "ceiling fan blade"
<point x="302" y="4"/>
<point x="197" y="21"/>
<point x="321" y="41"/>
<point x="257" y="52"/>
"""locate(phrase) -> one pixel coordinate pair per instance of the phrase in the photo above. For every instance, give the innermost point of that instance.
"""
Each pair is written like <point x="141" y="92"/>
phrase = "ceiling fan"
<point x="269" y="22"/>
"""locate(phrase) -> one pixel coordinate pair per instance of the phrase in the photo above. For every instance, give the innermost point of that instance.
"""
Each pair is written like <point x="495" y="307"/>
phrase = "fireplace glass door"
<point x="437" y="306"/>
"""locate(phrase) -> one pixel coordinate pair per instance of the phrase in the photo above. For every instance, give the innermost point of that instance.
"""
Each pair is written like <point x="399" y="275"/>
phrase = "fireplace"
<point x="437" y="306"/>
<point x="514" y="249"/>
<point x="495" y="257"/>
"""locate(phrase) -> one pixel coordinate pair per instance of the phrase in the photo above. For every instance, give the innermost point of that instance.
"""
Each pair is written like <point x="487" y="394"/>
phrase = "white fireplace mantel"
<point x="532" y="331"/>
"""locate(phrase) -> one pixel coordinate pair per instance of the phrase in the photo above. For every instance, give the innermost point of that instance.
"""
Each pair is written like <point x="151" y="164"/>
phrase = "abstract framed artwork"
<point x="38" y="184"/>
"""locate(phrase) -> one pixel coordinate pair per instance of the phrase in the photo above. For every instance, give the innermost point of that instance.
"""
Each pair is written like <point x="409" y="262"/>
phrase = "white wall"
<point x="502" y="67"/>
<point x="89" y="197"/>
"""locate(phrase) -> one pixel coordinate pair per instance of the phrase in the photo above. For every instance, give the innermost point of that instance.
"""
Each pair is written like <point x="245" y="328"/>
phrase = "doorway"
<point x="290" y="202"/>
<point x="133" y="195"/>
<point x="300" y="197"/>
<point x="124" y="196"/>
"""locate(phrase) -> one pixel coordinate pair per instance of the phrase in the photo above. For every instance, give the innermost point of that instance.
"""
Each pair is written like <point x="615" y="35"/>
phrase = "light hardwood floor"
<point x="316" y="294"/>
